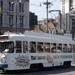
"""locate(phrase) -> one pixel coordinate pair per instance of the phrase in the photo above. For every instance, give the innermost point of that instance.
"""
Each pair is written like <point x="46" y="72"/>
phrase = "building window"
<point x="71" y="4"/>
<point x="1" y="19"/>
<point x="21" y="7"/>
<point x="1" y="6"/>
<point x="11" y="6"/>
<point x="10" y="20"/>
<point x="21" y="20"/>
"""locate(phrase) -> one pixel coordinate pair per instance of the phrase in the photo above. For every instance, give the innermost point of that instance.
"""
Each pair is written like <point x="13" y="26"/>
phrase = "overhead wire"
<point x="40" y="5"/>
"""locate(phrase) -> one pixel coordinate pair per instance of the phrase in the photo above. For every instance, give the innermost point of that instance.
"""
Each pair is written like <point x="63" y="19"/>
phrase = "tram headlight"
<point x="3" y="60"/>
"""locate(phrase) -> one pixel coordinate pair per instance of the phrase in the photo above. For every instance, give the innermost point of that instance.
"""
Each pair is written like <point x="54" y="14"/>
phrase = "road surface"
<point x="49" y="71"/>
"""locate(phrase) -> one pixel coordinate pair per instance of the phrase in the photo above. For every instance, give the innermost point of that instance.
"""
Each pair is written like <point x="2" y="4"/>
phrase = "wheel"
<point x="34" y="67"/>
<point x="67" y="64"/>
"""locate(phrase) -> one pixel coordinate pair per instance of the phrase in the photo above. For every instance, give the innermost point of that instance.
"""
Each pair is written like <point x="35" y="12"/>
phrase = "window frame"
<point x="11" y="6"/>
<point x="21" y="20"/>
<point x="64" y="46"/>
<point x="1" y="19"/>
<point x="1" y="6"/>
<point x="18" y="50"/>
<point x="10" y="20"/>
<point x="21" y="7"/>
<point x="59" y="48"/>
<point x="53" y="48"/>
<point x="26" y="50"/>
<point x="32" y="48"/>
<point x="39" y="47"/>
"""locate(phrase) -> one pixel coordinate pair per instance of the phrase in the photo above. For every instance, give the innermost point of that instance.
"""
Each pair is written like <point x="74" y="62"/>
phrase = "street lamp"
<point x="47" y="4"/>
<point x="16" y="14"/>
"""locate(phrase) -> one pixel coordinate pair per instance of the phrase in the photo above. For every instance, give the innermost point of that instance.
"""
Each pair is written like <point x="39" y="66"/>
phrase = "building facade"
<point x="67" y="6"/>
<point x="33" y="20"/>
<point x="68" y="16"/>
<point x="14" y="15"/>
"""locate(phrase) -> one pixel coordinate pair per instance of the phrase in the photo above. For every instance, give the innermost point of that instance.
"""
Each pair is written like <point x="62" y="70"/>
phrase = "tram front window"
<point x="1" y="47"/>
<point x="6" y="47"/>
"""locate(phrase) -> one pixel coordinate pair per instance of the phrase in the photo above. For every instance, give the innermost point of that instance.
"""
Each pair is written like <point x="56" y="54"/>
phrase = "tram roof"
<point x="47" y="35"/>
<point x="39" y="36"/>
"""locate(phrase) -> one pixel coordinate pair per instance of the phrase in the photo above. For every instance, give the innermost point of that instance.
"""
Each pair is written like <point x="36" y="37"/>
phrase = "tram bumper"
<point x="3" y="65"/>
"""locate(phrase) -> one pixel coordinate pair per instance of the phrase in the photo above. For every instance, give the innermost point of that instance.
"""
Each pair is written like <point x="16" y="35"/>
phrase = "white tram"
<point x="33" y="50"/>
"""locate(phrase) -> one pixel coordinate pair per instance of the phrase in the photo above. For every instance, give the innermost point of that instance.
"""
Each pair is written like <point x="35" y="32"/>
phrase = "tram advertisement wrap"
<point x="22" y="61"/>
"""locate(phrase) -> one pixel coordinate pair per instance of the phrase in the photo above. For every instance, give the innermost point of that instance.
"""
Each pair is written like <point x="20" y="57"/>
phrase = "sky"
<point x="41" y="11"/>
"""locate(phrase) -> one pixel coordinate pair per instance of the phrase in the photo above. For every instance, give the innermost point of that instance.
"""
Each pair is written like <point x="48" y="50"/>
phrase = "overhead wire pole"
<point x="47" y="4"/>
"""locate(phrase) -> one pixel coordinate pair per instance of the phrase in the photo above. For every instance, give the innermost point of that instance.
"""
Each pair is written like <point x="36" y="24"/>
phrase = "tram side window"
<point x="53" y="47"/>
<point x="59" y="48"/>
<point x="32" y="47"/>
<point x="74" y="48"/>
<point x="25" y="46"/>
<point x="18" y="47"/>
<point x="69" y="47"/>
<point x="64" y="48"/>
<point x="46" y="47"/>
<point x="39" y="47"/>
<point x="10" y="45"/>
